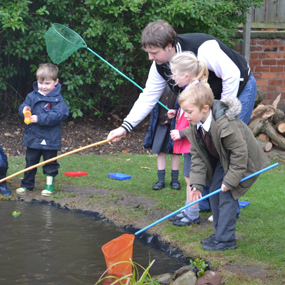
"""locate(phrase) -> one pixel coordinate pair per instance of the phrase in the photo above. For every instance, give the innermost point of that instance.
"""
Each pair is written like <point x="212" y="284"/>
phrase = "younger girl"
<point x="186" y="70"/>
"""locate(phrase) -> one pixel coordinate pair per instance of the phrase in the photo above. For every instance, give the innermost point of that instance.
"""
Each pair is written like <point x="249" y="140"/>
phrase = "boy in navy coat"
<point x="43" y="134"/>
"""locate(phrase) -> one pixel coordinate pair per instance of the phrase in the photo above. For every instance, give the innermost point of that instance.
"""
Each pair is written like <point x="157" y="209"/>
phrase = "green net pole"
<point x="123" y="75"/>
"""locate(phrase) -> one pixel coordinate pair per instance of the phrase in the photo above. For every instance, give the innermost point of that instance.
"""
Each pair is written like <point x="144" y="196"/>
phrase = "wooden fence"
<point x="270" y="15"/>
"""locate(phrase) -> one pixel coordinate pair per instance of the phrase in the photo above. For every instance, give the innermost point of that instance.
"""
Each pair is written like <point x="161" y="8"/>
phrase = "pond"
<point x="50" y="245"/>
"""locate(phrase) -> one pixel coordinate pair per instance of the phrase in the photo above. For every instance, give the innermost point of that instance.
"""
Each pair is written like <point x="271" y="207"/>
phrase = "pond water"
<point x="48" y="245"/>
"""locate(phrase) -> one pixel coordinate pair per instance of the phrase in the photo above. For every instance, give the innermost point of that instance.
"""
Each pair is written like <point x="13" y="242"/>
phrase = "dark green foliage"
<point x="111" y="28"/>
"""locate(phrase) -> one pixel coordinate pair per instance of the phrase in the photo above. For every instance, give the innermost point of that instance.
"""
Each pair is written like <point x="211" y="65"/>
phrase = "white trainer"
<point x="21" y="190"/>
<point x="210" y="219"/>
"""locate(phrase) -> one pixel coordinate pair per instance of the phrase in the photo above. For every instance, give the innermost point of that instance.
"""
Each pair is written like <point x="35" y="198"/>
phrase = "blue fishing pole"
<point x="205" y="197"/>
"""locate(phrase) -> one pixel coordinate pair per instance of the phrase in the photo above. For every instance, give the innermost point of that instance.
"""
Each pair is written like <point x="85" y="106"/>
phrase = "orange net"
<point x="119" y="250"/>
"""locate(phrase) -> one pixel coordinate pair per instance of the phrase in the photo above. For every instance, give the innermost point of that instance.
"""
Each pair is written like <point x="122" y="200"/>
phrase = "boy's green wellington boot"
<point x="49" y="187"/>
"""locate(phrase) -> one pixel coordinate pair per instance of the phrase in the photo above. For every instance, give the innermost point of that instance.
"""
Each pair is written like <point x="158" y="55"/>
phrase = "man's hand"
<point x="116" y="134"/>
<point x="171" y="113"/>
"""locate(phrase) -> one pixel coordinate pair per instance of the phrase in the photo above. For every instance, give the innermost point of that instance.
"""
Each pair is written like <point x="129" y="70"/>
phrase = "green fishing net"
<point x="61" y="42"/>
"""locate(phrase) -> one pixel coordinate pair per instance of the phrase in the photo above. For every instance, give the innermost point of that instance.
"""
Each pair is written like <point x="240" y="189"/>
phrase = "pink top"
<point x="182" y="145"/>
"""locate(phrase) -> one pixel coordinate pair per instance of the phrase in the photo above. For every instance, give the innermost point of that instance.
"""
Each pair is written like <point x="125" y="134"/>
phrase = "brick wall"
<point x="267" y="62"/>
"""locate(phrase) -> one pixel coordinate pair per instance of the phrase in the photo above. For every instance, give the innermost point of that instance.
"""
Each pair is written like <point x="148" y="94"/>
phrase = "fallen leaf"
<point x="16" y="213"/>
<point x="124" y="151"/>
<point x="116" y="117"/>
<point x="144" y="167"/>
<point x="8" y="135"/>
<point x="12" y="182"/>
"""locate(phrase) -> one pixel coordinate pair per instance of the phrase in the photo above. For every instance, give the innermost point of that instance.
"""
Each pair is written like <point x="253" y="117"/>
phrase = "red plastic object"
<point x="75" y="173"/>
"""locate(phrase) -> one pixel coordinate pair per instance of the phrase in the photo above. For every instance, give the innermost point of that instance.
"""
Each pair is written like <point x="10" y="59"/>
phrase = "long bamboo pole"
<point x="55" y="158"/>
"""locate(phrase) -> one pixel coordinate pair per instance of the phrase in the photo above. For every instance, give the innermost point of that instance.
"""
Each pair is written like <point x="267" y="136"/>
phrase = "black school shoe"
<point x="219" y="246"/>
<point x="189" y="222"/>
<point x="175" y="185"/>
<point x="177" y="217"/>
<point x="158" y="185"/>
<point x="208" y="239"/>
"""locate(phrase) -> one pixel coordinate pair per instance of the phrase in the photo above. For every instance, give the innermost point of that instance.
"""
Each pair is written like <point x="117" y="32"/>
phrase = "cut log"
<point x="262" y="111"/>
<point x="256" y="126"/>
<point x="265" y="111"/>
<point x="272" y="133"/>
<point x="276" y="101"/>
<point x="273" y="142"/>
<point x="280" y="127"/>
<point x="278" y="116"/>
<point x="266" y="146"/>
<point x="259" y="98"/>
<point x="264" y="137"/>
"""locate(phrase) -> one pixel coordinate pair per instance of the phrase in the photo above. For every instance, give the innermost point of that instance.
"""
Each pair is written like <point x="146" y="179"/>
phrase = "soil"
<point x="76" y="134"/>
<point x="86" y="131"/>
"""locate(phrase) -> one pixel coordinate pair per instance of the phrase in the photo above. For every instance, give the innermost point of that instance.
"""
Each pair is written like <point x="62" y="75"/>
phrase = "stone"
<point x="181" y="271"/>
<point x="210" y="278"/>
<point x="163" y="279"/>
<point x="188" y="278"/>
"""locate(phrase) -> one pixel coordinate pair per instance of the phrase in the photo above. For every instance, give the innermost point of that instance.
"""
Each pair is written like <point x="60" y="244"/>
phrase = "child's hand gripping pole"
<point x="27" y="115"/>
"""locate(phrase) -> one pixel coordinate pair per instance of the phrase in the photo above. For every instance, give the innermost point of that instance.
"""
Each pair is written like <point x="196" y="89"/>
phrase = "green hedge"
<point x="112" y="29"/>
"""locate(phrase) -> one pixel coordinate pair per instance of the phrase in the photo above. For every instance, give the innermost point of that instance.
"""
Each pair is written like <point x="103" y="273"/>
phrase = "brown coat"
<point x="239" y="151"/>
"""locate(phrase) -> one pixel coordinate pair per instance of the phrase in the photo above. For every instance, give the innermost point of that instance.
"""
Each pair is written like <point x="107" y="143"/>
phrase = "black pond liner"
<point x="153" y="240"/>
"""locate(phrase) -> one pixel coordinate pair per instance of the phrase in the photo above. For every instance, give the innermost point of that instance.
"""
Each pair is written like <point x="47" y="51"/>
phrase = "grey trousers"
<point x="224" y="208"/>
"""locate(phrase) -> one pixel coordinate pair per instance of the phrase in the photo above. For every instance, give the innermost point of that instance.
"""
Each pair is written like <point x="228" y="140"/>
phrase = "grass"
<point x="260" y="226"/>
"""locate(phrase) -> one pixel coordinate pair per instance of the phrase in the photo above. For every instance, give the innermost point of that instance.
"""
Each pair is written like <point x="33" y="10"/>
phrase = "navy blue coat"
<point x="51" y="111"/>
<point x="148" y="140"/>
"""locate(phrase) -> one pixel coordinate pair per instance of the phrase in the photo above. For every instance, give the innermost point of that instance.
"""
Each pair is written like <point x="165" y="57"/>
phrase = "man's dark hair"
<point x="158" y="34"/>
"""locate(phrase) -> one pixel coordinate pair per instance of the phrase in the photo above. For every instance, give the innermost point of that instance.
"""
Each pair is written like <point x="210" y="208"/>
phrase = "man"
<point x="229" y="73"/>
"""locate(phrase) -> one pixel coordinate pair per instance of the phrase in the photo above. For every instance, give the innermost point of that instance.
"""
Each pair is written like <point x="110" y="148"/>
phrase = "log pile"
<point x="268" y="124"/>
